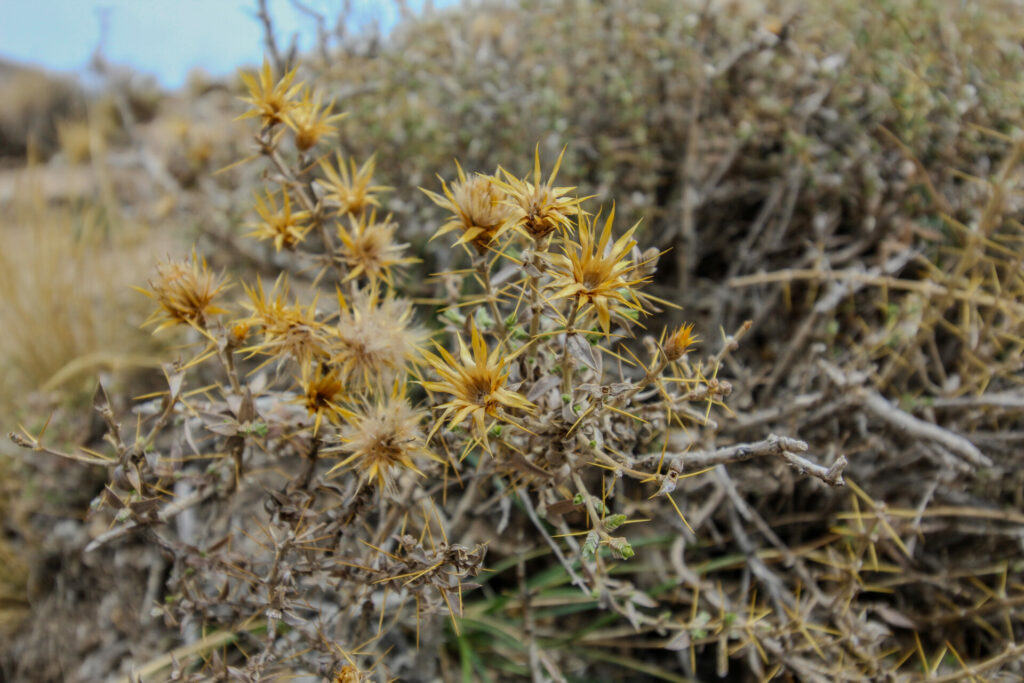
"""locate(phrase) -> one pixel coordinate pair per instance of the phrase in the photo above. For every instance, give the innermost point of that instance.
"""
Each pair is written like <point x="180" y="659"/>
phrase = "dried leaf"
<point x="680" y="641"/>
<point x="175" y="378"/>
<point x="542" y="386"/>
<point x="563" y="507"/>
<point x="100" y="400"/>
<point x="519" y="462"/>
<point x="113" y="499"/>
<point x="582" y="351"/>
<point x="144" y="508"/>
<point x="223" y="428"/>
<point x="894" y="617"/>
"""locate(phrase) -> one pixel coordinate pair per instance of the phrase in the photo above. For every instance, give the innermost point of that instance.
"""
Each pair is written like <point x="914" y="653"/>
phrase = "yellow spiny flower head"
<point x="600" y="274"/>
<point x="382" y="439"/>
<point x="280" y="224"/>
<point x="375" y="338"/>
<point x="311" y="122"/>
<point x="679" y="342"/>
<point x="476" y="381"/>
<point x="368" y="248"/>
<point x="184" y="291"/>
<point x="287" y="330"/>
<point x="322" y="392"/>
<point x="478" y="206"/>
<point x="270" y="101"/>
<point x="349" y="188"/>
<point x="539" y="207"/>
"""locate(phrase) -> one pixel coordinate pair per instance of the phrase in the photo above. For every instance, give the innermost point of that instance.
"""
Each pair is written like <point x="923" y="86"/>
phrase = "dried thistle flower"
<point x="285" y="227"/>
<point x="270" y="101"/>
<point x="476" y="381"/>
<point x="679" y="342"/>
<point x="368" y="248"/>
<point x="478" y="206"/>
<point x="382" y="439"/>
<point x="539" y="207"/>
<point x="322" y="392"/>
<point x="351" y="189"/>
<point x="598" y="274"/>
<point x="184" y="291"/>
<point x="375" y="339"/>
<point x="288" y="330"/>
<point x="310" y="121"/>
<point x="350" y="673"/>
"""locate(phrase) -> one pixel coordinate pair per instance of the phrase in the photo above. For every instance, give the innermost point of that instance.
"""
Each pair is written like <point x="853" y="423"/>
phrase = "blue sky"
<point x="164" y="38"/>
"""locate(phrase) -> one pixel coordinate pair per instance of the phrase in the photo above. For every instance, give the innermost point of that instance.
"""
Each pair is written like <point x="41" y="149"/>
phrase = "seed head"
<point x="382" y="439"/>
<point x="368" y="248"/>
<point x="476" y="381"/>
<point x="539" y="208"/>
<point x="310" y="121"/>
<point x="288" y="330"/>
<point x="322" y="393"/>
<point x="270" y="101"/>
<point x="349" y="188"/>
<point x="184" y="291"/>
<point x="285" y="227"/>
<point x="679" y="342"/>
<point x="375" y="338"/>
<point x="600" y="274"/>
<point x="478" y="207"/>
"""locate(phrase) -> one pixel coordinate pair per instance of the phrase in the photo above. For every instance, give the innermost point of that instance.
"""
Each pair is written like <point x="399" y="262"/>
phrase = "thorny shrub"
<point x="355" y="418"/>
<point x="328" y="466"/>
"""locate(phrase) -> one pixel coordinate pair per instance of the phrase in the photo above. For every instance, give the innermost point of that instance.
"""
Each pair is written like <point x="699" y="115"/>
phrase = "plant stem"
<point x="569" y="331"/>
<point x="305" y="199"/>
<point x="484" y="271"/>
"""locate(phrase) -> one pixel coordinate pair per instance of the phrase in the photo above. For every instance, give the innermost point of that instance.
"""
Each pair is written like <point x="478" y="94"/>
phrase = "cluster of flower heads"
<point x="349" y="358"/>
<point x="340" y="368"/>
<point x="354" y="357"/>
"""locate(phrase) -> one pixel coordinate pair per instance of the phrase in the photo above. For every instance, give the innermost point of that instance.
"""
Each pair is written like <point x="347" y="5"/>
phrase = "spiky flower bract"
<point x="288" y="330"/>
<point x="185" y="291"/>
<point x="476" y="381"/>
<point x="679" y="342"/>
<point x="539" y="208"/>
<point x="310" y="121"/>
<point x="348" y="188"/>
<point x="596" y="273"/>
<point x="382" y="438"/>
<point x="478" y="209"/>
<point x="285" y="227"/>
<point x="322" y="393"/>
<point x="270" y="101"/>
<point x="375" y="338"/>
<point x="369" y="249"/>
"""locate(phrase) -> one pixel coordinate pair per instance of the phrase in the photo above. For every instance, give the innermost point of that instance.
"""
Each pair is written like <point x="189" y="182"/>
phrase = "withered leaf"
<point x="223" y="428"/>
<point x="144" y="508"/>
<point x="679" y="641"/>
<point x="189" y="438"/>
<point x="464" y="587"/>
<point x="134" y="478"/>
<point x="100" y="400"/>
<point x="894" y="617"/>
<point x="112" y="498"/>
<point x="175" y="378"/>
<point x="542" y="386"/>
<point x="563" y="507"/>
<point x="582" y="351"/>
<point x="642" y="599"/>
<point x="519" y="462"/>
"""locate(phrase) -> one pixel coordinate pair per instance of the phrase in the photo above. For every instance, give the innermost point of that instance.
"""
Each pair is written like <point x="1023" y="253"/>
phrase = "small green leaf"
<point x="590" y="546"/>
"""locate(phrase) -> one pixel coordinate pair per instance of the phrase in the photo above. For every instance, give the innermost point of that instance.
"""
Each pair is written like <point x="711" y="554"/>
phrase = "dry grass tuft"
<point x="65" y="304"/>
